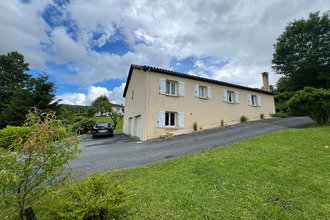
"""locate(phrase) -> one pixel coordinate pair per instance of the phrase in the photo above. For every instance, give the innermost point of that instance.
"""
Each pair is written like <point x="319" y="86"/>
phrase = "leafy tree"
<point x="19" y="91"/>
<point x="91" y="111"/>
<point x="12" y="75"/>
<point x="312" y="102"/>
<point x="116" y="117"/>
<point x="302" y="53"/>
<point x="37" y="162"/>
<point x="102" y="104"/>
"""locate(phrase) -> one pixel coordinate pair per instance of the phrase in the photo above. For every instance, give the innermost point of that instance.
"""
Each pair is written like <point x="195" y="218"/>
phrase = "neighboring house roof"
<point x="117" y="106"/>
<point x="172" y="73"/>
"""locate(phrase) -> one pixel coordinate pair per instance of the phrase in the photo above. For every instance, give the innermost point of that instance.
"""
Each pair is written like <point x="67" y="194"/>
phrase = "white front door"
<point x="138" y="126"/>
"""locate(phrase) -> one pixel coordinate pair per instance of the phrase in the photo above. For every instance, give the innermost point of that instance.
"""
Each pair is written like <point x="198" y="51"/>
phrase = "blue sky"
<point x="88" y="46"/>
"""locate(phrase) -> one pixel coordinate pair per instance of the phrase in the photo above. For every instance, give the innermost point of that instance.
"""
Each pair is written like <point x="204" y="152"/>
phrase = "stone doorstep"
<point x="208" y="127"/>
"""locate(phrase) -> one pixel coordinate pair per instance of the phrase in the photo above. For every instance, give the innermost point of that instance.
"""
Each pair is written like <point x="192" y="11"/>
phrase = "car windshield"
<point x="102" y="124"/>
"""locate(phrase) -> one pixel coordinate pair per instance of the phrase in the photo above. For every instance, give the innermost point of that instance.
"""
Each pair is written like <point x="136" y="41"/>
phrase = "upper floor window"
<point x="202" y="92"/>
<point x="230" y="96"/>
<point x="172" y="88"/>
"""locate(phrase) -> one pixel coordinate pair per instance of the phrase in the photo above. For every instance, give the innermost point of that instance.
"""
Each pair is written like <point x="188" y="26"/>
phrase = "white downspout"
<point x="146" y="111"/>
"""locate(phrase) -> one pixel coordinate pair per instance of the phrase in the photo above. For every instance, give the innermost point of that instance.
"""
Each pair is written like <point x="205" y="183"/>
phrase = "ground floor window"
<point x="170" y="119"/>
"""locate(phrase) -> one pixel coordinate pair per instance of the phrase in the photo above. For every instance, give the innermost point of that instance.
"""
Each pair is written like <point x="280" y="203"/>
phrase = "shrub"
<point x="313" y="103"/>
<point x="200" y="128"/>
<point x="280" y="114"/>
<point x="195" y="126"/>
<point x="94" y="197"/>
<point x="84" y="126"/>
<point x="262" y="116"/>
<point x="222" y="122"/>
<point x="9" y="134"/>
<point x="36" y="162"/>
<point x="243" y="118"/>
<point x="78" y="118"/>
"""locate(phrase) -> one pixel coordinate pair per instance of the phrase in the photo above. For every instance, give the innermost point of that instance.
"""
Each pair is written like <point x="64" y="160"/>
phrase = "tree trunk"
<point x="30" y="214"/>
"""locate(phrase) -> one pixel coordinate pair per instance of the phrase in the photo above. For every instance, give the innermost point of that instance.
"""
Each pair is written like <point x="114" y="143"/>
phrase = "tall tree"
<point x="19" y="91"/>
<point x="102" y="104"/>
<point x="12" y="75"/>
<point x="302" y="52"/>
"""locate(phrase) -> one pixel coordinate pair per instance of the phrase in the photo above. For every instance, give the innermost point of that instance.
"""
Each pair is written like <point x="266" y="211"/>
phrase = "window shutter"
<point x="181" y="119"/>
<point x="162" y="85"/>
<point x="196" y="90"/>
<point x="161" y="119"/>
<point x="224" y="96"/>
<point x="249" y="99"/>
<point x="181" y="89"/>
<point x="209" y="92"/>
<point x="237" y="97"/>
<point x="259" y="101"/>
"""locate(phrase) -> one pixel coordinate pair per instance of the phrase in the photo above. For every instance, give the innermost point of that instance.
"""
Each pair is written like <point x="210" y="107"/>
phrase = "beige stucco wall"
<point x="202" y="111"/>
<point x="137" y="106"/>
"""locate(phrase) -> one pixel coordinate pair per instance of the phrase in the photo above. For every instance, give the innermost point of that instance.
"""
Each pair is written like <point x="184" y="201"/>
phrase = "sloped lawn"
<point x="282" y="175"/>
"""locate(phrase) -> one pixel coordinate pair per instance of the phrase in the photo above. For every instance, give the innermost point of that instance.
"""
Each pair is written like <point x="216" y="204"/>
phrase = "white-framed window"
<point x="201" y="92"/>
<point x="170" y="119"/>
<point x="230" y="96"/>
<point x="170" y="88"/>
<point x="254" y="100"/>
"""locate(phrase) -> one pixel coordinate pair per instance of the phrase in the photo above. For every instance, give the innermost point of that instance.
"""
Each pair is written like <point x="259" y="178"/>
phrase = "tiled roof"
<point x="173" y="73"/>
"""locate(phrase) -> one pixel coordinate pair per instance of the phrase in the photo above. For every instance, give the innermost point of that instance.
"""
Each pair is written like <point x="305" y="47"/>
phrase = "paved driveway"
<point x="122" y="151"/>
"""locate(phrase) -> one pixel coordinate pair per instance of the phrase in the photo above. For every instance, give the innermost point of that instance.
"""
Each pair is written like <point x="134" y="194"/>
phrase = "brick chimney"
<point x="265" y="79"/>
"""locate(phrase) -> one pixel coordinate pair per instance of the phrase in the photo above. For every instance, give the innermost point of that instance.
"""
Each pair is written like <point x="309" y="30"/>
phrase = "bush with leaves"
<point x="9" y="134"/>
<point x="94" y="197"/>
<point x="243" y="118"/>
<point x="313" y="103"/>
<point x="84" y="126"/>
<point x="195" y="126"/>
<point x="36" y="162"/>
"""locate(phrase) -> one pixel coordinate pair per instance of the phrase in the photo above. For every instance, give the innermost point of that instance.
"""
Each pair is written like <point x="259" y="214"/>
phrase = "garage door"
<point x="138" y="126"/>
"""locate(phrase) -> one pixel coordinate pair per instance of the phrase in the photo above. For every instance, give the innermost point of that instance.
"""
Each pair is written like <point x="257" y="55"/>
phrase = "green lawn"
<point x="282" y="175"/>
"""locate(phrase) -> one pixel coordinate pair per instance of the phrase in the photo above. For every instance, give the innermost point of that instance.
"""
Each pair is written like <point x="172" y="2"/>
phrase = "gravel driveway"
<point x="122" y="151"/>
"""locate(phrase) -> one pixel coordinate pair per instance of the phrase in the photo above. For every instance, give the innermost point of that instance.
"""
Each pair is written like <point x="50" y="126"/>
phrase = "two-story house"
<point x="159" y="101"/>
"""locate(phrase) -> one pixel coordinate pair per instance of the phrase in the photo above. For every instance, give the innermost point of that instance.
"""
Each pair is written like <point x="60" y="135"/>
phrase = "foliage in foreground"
<point x="38" y="161"/>
<point x="94" y="197"/>
<point x="312" y="102"/>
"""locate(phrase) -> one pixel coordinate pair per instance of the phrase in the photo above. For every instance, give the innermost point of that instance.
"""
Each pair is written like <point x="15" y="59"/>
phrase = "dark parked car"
<point x="102" y="129"/>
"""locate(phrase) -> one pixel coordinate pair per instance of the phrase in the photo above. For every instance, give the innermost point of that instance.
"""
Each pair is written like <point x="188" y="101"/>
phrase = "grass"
<point x="282" y="175"/>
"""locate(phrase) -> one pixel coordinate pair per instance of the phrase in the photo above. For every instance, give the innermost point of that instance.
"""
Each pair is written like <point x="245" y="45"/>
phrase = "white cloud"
<point x="240" y="32"/>
<point x="115" y="96"/>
